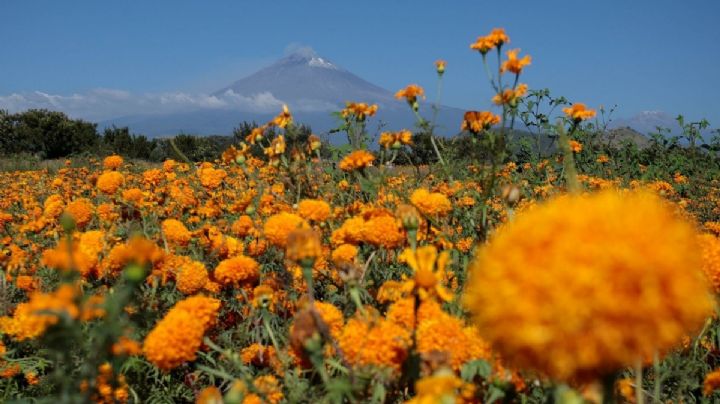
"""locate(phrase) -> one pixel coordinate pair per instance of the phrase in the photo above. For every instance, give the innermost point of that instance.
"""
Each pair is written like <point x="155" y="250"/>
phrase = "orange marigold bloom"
<point x="177" y="337"/>
<point x="192" y="277"/>
<point x="383" y="231"/>
<point x="314" y="209"/>
<point x="211" y="178"/>
<point x="81" y="211"/>
<point x="279" y="226"/>
<point x="710" y="250"/>
<point x="303" y="245"/>
<point x="711" y="382"/>
<point x="32" y="318"/>
<point x="395" y="140"/>
<point x="242" y="226"/>
<point x="513" y="64"/>
<point x="126" y="346"/>
<point x="112" y="162"/>
<point x="110" y="181"/>
<point x="356" y="160"/>
<point x="432" y="204"/>
<point x="443" y="387"/>
<point x="344" y="253"/>
<point x="496" y="38"/>
<point x="510" y="96"/>
<point x="410" y="93"/>
<point x="261" y="356"/>
<point x="175" y="232"/>
<point x="53" y="206"/>
<point x="236" y="270"/>
<point x="358" y="110"/>
<point x="602" y="253"/>
<point x="382" y="343"/>
<point x="478" y="121"/>
<point x="575" y="146"/>
<point x="440" y="66"/>
<point x="284" y="118"/>
<point x="579" y="112"/>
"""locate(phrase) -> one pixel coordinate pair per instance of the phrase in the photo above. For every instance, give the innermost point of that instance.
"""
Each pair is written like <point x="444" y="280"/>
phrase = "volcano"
<point x="313" y="88"/>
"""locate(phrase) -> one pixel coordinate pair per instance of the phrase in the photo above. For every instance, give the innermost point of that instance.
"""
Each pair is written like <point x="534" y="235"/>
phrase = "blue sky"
<point x="641" y="55"/>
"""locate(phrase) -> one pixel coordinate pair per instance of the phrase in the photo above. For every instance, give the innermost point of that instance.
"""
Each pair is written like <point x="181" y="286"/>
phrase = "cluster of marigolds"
<point x="569" y="286"/>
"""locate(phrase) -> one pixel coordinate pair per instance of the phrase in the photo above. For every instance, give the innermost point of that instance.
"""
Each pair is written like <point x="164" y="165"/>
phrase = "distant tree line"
<point x="48" y="134"/>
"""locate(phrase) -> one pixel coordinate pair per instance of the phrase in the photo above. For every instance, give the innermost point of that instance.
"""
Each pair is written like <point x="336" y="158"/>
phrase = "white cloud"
<point x="106" y="103"/>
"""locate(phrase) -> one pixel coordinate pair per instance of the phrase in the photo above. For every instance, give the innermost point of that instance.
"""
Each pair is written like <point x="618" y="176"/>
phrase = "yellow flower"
<point x="32" y="318"/>
<point x="358" y="110"/>
<point x="513" y="64"/>
<point x="496" y="38"/>
<point x="478" y="121"/>
<point x="582" y="286"/>
<point x="110" y="181"/>
<point x="382" y="343"/>
<point x="510" y="96"/>
<point x="579" y="112"/>
<point x="440" y="66"/>
<point x="410" y="93"/>
<point x="710" y="251"/>
<point x="303" y="246"/>
<point x="356" y="160"/>
<point x="284" y="118"/>
<point x="395" y="140"/>
<point x="428" y="271"/>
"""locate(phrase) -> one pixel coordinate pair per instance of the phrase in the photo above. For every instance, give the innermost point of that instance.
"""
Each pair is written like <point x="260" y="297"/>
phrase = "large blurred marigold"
<point x="178" y="336"/>
<point x="585" y="285"/>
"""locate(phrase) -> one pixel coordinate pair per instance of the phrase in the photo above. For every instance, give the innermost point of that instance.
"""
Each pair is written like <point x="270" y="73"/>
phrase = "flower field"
<point x="278" y="273"/>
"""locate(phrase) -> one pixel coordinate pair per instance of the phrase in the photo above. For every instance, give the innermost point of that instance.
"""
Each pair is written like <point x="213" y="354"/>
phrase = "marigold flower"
<point x="175" y="232"/>
<point x="358" y="159"/>
<point x="510" y="96"/>
<point x="395" y="140"/>
<point x="478" y="121"/>
<point x="602" y="253"/>
<point x="278" y="227"/>
<point x="440" y="66"/>
<point x="314" y="209"/>
<point x="432" y="204"/>
<point x="81" y="211"/>
<point x="191" y="277"/>
<point x="358" y="110"/>
<point x="242" y="226"/>
<point x="428" y="271"/>
<point x="575" y="146"/>
<point x="110" y="181"/>
<point x="236" y="270"/>
<point x="383" y="231"/>
<point x="126" y="346"/>
<point x="711" y="382"/>
<point x="112" y="162"/>
<point x="263" y="296"/>
<point x="303" y="246"/>
<point x="211" y="178"/>
<point x="513" y="64"/>
<point x="579" y="112"/>
<point x="496" y="38"/>
<point x="284" y="118"/>
<point x="410" y="93"/>
<point x="382" y="343"/>
<point x="177" y="337"/>
<point x="345" y="253"/>
<point x="443" y="386"/>
<point x="32" y="318"/>
<point x="710" y="250"/>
